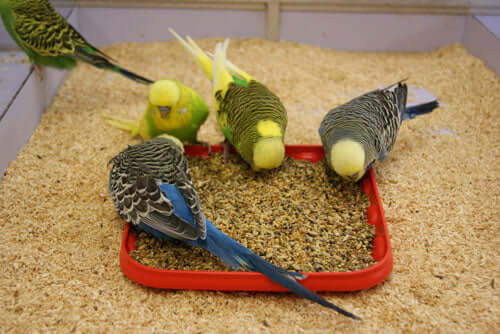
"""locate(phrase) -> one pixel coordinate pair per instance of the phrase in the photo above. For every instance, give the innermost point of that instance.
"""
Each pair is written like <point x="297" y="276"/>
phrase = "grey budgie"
<point x="364" y="130"/>
<point x="151" y="188"/>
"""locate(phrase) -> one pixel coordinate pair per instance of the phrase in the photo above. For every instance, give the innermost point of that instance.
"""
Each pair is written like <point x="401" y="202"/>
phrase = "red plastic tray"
<point x="252" y="281"/>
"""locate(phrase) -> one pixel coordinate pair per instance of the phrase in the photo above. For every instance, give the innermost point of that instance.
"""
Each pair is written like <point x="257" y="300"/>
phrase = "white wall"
<point x="357" y="31"/>
<point x="104" y="26"/>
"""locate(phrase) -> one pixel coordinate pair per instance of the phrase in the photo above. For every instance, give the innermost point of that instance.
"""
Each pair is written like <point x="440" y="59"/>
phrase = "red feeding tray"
<point x="252" y="281"/>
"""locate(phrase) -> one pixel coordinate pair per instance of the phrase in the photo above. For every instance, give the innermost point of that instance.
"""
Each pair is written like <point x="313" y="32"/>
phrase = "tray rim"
<point x="366" y="278"/>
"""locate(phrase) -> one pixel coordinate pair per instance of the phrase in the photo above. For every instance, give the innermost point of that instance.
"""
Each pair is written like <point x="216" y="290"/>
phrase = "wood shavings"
<point x="61" y="235"/>
<point x="299" y="216"/>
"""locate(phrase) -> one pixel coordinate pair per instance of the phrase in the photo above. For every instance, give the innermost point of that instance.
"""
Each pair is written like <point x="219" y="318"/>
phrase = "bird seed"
<point x="300" y="216"/>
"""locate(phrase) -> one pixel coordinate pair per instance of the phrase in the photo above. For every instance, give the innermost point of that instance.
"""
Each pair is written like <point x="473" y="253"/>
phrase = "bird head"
<point x="269" y="149"/>
<point x="348" y="159"/>
<point x="173" y="140"/>
<point x="164" y="96"/>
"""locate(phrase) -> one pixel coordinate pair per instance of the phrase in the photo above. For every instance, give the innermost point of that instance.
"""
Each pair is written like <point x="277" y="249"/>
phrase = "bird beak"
<point x="164" y="111"/>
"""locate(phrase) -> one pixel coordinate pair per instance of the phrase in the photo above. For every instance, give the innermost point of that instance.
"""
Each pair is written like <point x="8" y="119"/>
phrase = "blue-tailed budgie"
<point x="151" y="188"/>
<point x="364" y="130"/>
<point x="252" y="118"/>
<point x="48" y="39"/>
<point x="173" y="109"/>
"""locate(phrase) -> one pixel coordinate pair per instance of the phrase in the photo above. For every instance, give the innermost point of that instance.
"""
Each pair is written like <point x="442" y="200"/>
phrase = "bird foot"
<point x="39" y="70"/>
<point x="227" y="149"/>
<point x="205" y="145"/>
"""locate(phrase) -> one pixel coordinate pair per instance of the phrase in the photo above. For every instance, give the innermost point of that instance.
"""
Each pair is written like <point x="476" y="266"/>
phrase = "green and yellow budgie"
<point x="173" y="109"/>
<point x="252" y="118"/>
<point x="48" y="39"/>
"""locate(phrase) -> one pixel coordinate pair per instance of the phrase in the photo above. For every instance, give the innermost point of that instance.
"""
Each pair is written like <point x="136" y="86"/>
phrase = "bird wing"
<point x="138" y="199"/>
<point x="43" y="30"/>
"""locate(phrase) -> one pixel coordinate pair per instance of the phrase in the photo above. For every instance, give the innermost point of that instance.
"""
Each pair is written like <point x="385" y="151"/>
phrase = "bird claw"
<point x="227" y="149"/>
<point x="206" y="145"/>
<point x="38" y="70"/>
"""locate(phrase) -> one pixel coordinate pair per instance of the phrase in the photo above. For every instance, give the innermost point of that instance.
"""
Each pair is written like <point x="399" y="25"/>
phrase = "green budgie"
<point x="364" y="130"/>
<point x="173" y="109"/>
<point x="48" y="39"/>
<point x="252" y="118"/>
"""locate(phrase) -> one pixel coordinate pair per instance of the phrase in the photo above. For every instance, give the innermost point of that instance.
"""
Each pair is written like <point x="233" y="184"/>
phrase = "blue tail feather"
<point x="237" y="256"/>
<point x="420" y="109"/>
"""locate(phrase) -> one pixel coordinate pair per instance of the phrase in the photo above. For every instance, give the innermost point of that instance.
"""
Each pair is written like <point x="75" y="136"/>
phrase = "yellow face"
<point x="347" y="159"/>
<point x="164" y="96"/>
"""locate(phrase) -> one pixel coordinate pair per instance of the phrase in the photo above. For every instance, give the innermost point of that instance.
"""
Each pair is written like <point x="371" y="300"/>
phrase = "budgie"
<point x="48" y="39"/>
<point x="252" y="118"/>
<point x="364" y="130"/>
<point x="173" y="108"/>
<point x="151" y="188"/>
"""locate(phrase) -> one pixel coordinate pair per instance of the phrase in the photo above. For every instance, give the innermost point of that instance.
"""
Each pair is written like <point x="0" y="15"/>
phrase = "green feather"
<point x="48" y="39"/>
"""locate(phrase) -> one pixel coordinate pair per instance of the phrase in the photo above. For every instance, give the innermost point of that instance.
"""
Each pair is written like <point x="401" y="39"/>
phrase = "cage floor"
<point x="440" y="188"/>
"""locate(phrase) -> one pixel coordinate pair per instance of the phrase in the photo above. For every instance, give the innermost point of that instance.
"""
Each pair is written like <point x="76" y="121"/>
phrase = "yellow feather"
<point x="269" y="128"/>
<point x="268" y="153"/>
<point x="348" y="159"/>
<point x="221" y="78"/>
<point x="203" y="60"/>
<point x="164" y="93"/>
<point x="169" y="93"/>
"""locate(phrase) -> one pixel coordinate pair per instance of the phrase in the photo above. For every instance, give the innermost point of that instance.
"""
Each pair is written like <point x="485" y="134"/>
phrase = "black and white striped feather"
<point x="134" y="183"/>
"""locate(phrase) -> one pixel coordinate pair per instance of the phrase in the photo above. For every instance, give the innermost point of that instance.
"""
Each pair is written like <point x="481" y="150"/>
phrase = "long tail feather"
<point x="420" y="109"/>
<point x="235" y="71"/>
<point x="221" y="77"/>
<point x="94" y="57"/>
<point x="199" y="55"/>
<point x="236" y="256"/>
<point x="132" y="76"/>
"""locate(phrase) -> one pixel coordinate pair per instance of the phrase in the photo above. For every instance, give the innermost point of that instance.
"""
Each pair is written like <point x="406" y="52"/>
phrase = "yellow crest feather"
<point x="164" y="93"/>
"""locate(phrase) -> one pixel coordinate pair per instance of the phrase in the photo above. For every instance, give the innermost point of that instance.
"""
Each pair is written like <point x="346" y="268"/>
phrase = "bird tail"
<point x="420" y="109"/>
<point x="401" y="94"/>
<point x="240" y="77"/>
<point x="199" y="55"/>
<point x="100" y="60"/>
<point x="237" y="256"/>
<point x="221" y="77"/>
